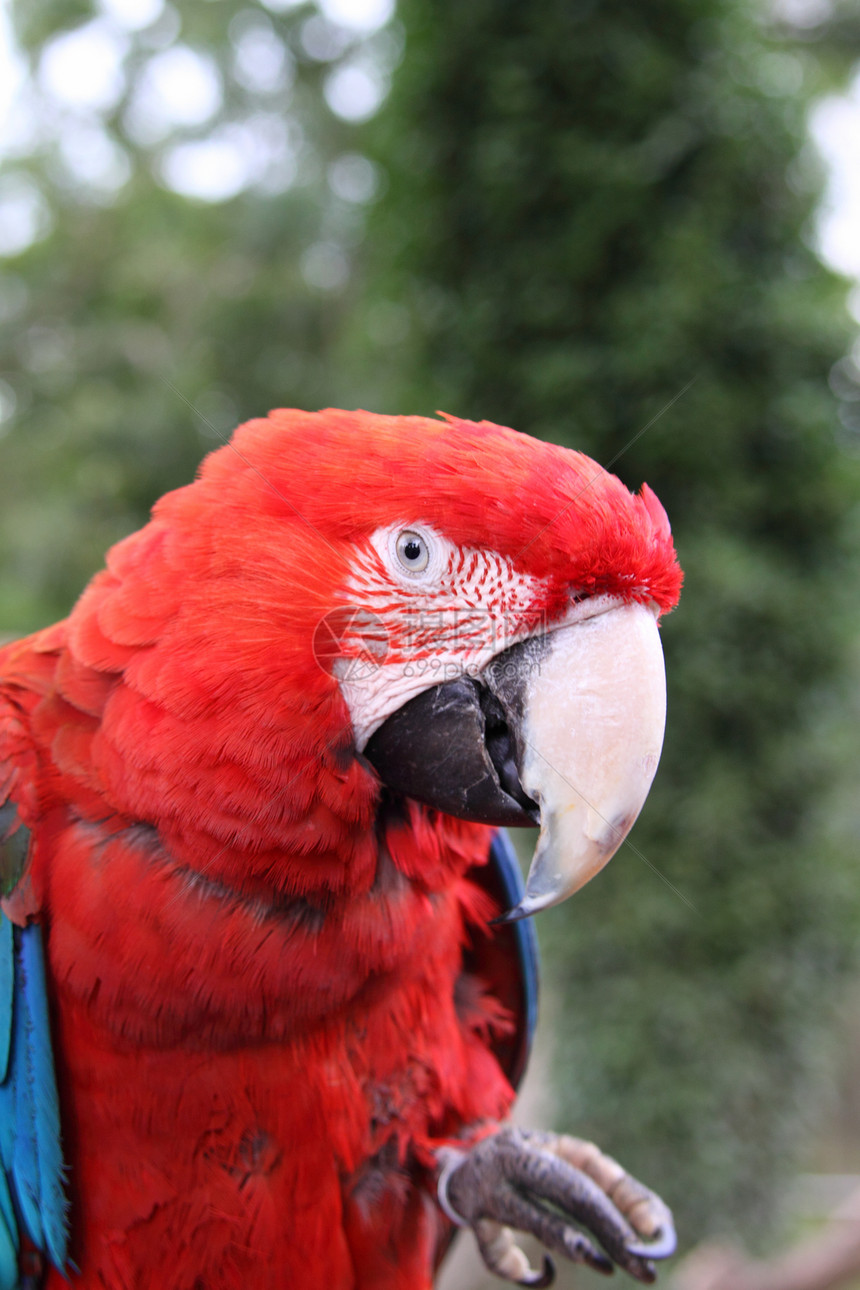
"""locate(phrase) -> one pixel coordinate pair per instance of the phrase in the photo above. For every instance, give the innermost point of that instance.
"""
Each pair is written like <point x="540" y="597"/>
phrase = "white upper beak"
<point x="594" y="716"/>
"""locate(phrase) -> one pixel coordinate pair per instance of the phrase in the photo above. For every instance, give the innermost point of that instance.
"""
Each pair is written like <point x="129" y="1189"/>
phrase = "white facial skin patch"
<point x="430" y="611"/>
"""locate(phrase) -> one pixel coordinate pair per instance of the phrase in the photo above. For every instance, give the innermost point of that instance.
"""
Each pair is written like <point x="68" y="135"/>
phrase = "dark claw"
<point x="662" y="1246"/>
<point x="597" y="1261"/>
<point x="541" y="1279"/>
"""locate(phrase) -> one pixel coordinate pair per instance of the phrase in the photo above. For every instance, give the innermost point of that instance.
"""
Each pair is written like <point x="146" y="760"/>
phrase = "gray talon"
<point x="542" y="1183"/>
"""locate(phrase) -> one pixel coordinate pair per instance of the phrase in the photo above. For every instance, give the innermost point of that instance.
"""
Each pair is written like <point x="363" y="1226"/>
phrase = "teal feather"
<point x="7" y="978"/>
<point x="8" y="1224"/>
<point x="8" y="1238"/>
<point x="31" y="1178"/>
<point x="46" y="1103"/>
<point x="25" y="1159"/>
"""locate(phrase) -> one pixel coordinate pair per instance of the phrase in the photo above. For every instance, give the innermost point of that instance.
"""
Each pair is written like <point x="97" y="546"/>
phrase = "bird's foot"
<point x="544" y="1183"/>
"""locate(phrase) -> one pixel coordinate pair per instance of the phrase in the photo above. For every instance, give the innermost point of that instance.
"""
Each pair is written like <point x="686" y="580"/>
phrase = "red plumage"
<point x="256" y="956"/>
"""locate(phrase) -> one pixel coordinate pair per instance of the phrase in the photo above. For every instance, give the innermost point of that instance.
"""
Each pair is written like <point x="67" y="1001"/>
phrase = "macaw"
<point x="263" y="971"/>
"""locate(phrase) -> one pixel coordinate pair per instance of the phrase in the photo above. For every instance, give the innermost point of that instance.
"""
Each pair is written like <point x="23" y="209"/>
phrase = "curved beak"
<point x="594" y="713"/>
<point x="564" y="729"/>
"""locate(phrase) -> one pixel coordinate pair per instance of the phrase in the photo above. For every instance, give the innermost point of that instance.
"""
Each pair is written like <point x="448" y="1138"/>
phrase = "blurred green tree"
<point x="180" y="201"/>
<point x="596" y="230"/>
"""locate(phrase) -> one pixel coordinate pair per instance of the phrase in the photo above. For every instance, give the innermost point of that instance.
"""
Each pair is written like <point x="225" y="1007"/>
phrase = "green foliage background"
<point x="145" y="326"/>
<point x="590" y="222"/>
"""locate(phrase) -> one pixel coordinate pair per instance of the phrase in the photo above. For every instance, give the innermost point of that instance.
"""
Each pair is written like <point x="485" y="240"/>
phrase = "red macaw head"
<point x="471" y="610"/>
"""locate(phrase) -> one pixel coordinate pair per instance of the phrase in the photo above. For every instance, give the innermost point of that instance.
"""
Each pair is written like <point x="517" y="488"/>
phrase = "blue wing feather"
<point x="8" y="1223"/>
<point x="25" y="1159"/>
<point x="52" y="1204"/>
<point x="8" y="1238"/>
<point x="31" y="1165"/>
<point x="503" y="860"/>
<point x="7" y="977"/>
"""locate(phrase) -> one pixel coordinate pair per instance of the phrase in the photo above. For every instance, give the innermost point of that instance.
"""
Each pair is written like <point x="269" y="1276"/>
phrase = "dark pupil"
<point x="412" y="550"/>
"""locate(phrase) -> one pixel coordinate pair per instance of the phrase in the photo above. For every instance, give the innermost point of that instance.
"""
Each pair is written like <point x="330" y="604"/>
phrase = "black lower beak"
<point x="453" y="747"/>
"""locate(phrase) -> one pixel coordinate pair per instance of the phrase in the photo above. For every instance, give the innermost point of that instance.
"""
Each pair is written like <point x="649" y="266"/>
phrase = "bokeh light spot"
<point x="83" y="68"/>
<point x="354" y="91"/>
<point x="24" y="214"/>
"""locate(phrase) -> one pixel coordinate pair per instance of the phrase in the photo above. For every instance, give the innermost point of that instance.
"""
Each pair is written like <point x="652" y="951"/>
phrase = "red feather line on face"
<point x="478" y="602"/>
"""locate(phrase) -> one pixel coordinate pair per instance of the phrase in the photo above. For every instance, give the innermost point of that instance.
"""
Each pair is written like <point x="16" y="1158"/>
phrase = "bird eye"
<point x="412" y="551"/>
